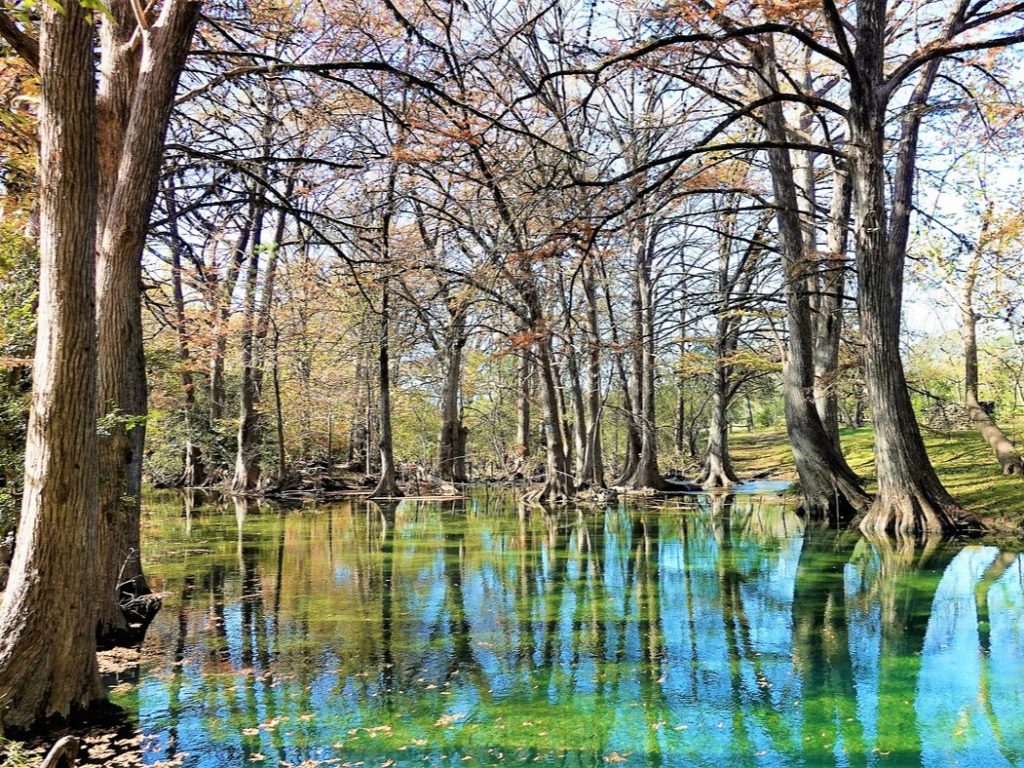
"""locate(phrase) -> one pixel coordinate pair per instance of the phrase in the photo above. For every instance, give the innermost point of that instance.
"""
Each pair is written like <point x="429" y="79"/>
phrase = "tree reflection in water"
<point x="677" y="634"/>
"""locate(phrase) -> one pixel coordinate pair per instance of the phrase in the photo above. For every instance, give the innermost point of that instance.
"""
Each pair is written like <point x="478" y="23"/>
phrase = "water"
<point x="697" y="632"/>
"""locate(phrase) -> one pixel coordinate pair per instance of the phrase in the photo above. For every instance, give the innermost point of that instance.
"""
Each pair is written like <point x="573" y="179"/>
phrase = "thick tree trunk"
<point x="910" y="499"/>
<point x="47" y="619"/>
<point x="1005" y="452"/>
<point x="829" y="487"/>
<point x="121" y="236"/>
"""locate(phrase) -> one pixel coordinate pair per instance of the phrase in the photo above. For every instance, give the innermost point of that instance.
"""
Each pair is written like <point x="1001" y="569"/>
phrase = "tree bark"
<point x="646" y="474"/>
<point x="579" y="413"/>
<point x="524" y="387"/>
<point x="452" y="440"/>
<point x="733" y="281"/>
<point x="829" y="487"/>
<point x="910" y="499"/>
<point x="593" y="464"/>
<point x="247" y="463"/>
<point x="282" y="463"/>
<point x="387" y="486"/>
<point x="718" y="471"/>
<point x="557" y="485"/>
<point x="47" y="619"/>
<point x="125" y="203"/>
<point x="632" y="451"/>
<point x="829" y="328"/>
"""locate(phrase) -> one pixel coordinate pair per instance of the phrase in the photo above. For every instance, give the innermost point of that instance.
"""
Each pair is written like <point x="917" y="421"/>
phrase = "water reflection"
<point x="485" y="632"/>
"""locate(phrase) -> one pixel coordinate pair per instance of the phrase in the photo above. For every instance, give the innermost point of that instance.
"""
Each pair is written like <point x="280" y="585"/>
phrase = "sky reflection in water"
<point x="483" y="633"/>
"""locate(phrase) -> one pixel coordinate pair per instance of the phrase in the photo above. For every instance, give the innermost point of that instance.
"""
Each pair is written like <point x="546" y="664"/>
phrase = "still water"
<point x="704" y="632"/>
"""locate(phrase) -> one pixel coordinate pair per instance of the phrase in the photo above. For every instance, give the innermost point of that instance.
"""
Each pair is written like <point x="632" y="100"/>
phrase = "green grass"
<point x="963" y="460"/>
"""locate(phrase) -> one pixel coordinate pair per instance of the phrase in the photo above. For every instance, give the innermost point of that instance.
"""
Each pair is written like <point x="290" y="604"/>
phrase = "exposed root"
<point x="715" y="480"/>
<point x="552" y="493"/>
<point x="717" y="473"/>
<point x="912" y="513"/>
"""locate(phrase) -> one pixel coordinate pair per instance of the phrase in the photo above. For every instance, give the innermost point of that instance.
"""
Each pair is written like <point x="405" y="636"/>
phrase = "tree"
<point x="734" y="279"/>
<point x="827" y="483"/>
<point x="142" y="54"/>
<point x="910" y="499"/>
<point x="134" y="99"/>
<point x="47" y="619"/>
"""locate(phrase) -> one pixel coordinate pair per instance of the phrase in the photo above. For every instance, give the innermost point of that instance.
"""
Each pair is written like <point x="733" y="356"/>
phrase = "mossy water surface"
<point x="711" y="631"/>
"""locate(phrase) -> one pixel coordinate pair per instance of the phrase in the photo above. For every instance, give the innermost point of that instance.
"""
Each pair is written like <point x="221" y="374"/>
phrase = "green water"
<point x="691" y="633"/>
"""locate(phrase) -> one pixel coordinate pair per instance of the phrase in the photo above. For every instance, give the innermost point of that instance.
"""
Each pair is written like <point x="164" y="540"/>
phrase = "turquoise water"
<point x="702" y="632"/>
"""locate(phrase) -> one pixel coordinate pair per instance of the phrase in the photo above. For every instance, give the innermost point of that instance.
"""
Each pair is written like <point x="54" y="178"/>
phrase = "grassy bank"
<point x="963" y="460"/>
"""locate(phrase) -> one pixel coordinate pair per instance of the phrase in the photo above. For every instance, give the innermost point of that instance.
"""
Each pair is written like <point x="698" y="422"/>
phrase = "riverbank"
<point x="963" y="460"/>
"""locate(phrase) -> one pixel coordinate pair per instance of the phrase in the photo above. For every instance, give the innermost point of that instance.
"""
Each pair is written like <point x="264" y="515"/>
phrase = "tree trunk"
<point x="563" y="414"/>
<point x="557" y="484"/>
<point x="47" y="619"/>
<point x="732" y="282"/>
<point x="222" y="315"/>
<point x="282" y="463"/>
<point x="910" y="499"/>
<point x="579" y="413"/>
<point x="680" y="432"/>
<point x="632" y="433"/>
<point x="829" y="328"/>
<point x="247" y="461"/>
<point x="646" y="474"/>
<point x="593" y="465"/>
<point x="524" y="387"/>
<point x="1005" y="452"/>
<point x="718" y="471"/>
<point x="388" y="484"/>
<point x="452" y="440"/>
<point x="829" y="487"/>
<point x="121" y="236"/>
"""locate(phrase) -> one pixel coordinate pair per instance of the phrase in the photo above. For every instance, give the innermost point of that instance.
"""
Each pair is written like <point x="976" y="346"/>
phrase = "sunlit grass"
<point x="963" y="460"/>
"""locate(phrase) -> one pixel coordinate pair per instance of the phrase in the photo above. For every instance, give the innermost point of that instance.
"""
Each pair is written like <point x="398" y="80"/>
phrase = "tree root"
<point x="713" y="478"/>
<point x="63" y="755"/>
<point x="913" y="513"/>
<point x="551" y="493"/>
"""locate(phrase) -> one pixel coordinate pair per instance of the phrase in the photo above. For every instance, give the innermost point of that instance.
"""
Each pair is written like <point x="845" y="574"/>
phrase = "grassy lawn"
<point x="963" y="460"/>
